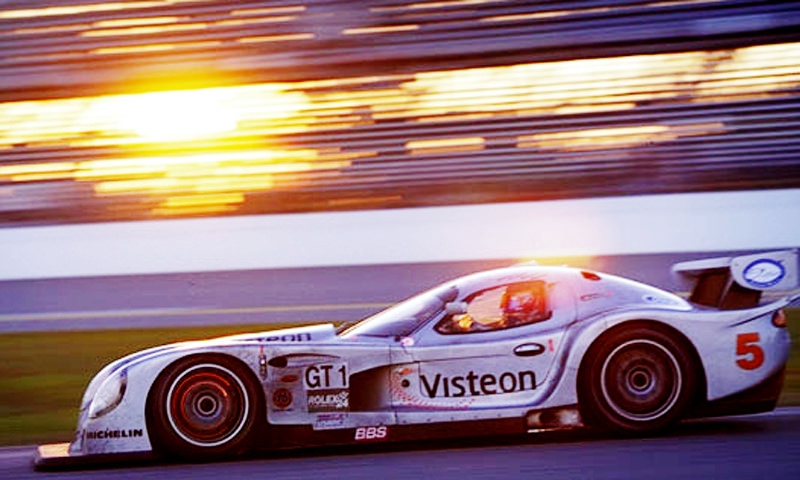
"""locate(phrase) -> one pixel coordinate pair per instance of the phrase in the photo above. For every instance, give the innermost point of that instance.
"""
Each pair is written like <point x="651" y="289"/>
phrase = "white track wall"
<point x="605" y="226"/>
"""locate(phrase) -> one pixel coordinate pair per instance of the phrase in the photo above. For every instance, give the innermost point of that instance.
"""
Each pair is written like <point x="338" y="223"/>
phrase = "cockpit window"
<point x="499" y="308"/>
<point x="404" y="318"/>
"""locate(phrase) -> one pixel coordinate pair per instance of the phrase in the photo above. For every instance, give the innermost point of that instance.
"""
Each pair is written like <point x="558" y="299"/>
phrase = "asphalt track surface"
<point x="747" y="447"/>
<point x="263" y="296"/>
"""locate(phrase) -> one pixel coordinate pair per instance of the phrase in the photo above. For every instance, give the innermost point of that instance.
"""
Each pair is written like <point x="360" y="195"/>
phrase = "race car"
<point x="513" y="350"/>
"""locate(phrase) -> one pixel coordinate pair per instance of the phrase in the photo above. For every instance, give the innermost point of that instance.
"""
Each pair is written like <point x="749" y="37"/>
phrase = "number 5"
<point x="747" y="344"/>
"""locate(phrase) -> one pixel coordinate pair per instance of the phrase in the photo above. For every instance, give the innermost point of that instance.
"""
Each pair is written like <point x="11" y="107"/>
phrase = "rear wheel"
<point x="204" y="408"/>
<point x="637" y="380"/>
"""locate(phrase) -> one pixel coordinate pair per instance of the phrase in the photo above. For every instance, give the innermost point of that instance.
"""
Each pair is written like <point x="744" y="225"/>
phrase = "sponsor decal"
<point x="282" y="398"/>
<point x="326" y="376"/>
<point x="330" y="421"/>
<point x="595" y="296"/>
<point x="289" y="337"/>
<point x="113" y="434"/>
<point x="473" y="385"/>
<point x="404" y="394"/>
<point x="332" y="400"/>
<point x="764" y="273"/>
<point x="658" y="300"/>
<point x="371" y="433"/>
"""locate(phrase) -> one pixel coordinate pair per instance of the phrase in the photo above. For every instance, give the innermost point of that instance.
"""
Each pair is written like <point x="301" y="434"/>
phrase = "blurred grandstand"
<point x="171" y="108"/>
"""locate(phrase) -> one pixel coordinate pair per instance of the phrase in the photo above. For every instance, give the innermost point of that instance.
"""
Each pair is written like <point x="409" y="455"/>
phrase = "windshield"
<point x="402" y="319"/>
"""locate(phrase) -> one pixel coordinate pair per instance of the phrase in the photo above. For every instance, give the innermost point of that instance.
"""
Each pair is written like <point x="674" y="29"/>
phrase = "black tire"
<point x="204" y="408"/>
<point x="636" y="380"/>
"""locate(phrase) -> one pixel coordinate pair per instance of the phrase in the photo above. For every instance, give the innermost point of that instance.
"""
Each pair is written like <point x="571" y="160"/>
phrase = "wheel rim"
<point x="641" y="380"/>
<point x="207" y="405"/>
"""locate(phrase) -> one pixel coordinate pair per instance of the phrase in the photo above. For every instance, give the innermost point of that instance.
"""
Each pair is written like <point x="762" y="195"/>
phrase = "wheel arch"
<point x="157" y="444"/>
<point x="701" y="388"/>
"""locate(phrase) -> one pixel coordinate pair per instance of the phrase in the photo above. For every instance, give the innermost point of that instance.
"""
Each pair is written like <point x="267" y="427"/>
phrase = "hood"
<point x="311" y="333"/>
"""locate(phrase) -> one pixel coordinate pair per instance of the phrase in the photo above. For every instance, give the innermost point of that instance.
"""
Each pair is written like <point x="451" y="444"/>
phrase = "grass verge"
<point x="43" y="374"/>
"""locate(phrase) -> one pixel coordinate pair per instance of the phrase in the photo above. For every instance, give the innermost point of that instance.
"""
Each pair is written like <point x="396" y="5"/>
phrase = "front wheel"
<point x="637" y="380"/>
<point x="204" y="408"/>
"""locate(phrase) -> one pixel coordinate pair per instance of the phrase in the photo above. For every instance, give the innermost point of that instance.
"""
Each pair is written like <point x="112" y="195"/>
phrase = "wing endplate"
<point x="737" y="282"/>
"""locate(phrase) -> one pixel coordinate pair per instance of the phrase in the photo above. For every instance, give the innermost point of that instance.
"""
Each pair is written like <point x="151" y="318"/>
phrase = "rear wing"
<point x="730" y="283"/>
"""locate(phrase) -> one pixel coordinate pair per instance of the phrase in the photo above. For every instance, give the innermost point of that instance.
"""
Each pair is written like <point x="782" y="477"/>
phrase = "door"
<point x="494" y="350"/>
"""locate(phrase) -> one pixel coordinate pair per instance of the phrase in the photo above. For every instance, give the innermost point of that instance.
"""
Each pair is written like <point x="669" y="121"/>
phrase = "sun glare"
<point x="207" y="149"/>
<point x="177" y="115"/>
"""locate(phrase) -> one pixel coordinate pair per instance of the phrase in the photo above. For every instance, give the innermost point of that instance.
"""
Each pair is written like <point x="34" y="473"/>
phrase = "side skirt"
<point x="286" y="437"/>
<point x="289" y="437"/>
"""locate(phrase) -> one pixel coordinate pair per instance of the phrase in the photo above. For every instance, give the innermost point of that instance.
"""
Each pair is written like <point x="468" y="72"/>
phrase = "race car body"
<point x="518" y="349"/>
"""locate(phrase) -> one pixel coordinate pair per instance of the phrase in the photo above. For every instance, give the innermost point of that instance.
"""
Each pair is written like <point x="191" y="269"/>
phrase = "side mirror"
<point x="455" y="308"/>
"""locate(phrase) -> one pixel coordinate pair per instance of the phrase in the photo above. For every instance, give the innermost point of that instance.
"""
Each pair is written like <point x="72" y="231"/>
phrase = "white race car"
<point x="520" y="349"/>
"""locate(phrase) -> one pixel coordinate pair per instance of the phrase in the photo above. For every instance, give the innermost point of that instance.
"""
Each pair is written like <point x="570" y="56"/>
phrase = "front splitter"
<point x="56" y="456"/>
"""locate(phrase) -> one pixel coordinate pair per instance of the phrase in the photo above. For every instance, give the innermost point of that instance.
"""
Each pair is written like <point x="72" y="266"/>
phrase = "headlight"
<point x="109" y="394"/>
